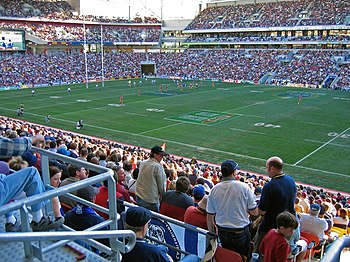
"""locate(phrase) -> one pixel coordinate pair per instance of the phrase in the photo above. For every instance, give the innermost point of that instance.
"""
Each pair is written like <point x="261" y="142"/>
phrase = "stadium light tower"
<point x="85" y="55"/>
<point x="144" y="36"/>
<point x="102" y="68"/>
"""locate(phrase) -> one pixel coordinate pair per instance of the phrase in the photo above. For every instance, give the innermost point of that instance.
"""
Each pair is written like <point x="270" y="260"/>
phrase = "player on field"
<point x="68" y="90"/>
<point x="48" y="118"/>
<point x="300" y="98"/>
<point x="138" y="91"/>
<point x="33" y="92"/>
<point x="121" y="100"/>
<point x="96" y="87"/>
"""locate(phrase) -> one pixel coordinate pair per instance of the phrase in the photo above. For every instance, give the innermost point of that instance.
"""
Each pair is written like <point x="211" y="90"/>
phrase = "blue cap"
<point x="63" y="151"/>
<point x="228" y="166"/>
<point x="198" y="191"/>
<point x="315" y="207"/>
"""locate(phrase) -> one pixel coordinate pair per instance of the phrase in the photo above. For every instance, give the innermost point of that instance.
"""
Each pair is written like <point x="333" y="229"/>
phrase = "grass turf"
<point x="247" y="123"/>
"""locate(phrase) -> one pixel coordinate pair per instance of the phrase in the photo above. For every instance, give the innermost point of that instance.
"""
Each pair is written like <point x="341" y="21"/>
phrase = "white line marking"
<point x="160" y="128"/>
<point x="311" y="123"/>
<point x="320" y="142"/>
<point x="135" y="114"/>
<point x="247" y="131"/>
<point x="321" y="147"/>
<point x="97" y="108"/>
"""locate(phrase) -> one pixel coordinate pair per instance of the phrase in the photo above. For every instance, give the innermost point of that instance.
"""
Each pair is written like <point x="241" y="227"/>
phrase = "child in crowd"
<point x="274" y="247"/>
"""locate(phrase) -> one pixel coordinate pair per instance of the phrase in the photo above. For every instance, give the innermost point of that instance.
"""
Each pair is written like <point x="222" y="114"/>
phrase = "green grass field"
<point x="247" y="123"/>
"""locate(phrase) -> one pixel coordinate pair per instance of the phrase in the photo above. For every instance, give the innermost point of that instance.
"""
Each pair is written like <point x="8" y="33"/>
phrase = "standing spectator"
<point x="277" y="196"/>
<point x="175" y="202"/>
<point x="151" y="182"/>
<point x="229" y="204"/>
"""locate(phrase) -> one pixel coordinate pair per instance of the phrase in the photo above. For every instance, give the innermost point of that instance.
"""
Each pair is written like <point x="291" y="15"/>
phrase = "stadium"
<point x="243" y="80"/>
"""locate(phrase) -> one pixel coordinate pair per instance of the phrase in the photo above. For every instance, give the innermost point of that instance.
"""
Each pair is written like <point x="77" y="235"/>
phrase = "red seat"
<point x="312" y="239"/>
<point x="227" y="255"/>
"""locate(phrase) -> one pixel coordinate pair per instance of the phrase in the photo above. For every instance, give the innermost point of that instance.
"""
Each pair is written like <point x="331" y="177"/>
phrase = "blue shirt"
<point x="277" y="196"/>
<point x="146" y="252"/>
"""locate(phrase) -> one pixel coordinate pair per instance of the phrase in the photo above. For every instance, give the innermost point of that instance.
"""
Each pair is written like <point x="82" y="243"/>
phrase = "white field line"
<point x="257" y="103"/>
<point x="313" y="152"/>
<point x="97" y="108"/>
<point x="321" y="142"/>
<point x="160" y="128"/>
<point x="188" y="145"/>
<point x="134" y="114"/>
<point x="317" y="124"/>
<point x="247" y="131"/>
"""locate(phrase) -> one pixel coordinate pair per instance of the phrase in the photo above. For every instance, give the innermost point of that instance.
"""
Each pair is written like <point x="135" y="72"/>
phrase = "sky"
<point x="172" y="9"/>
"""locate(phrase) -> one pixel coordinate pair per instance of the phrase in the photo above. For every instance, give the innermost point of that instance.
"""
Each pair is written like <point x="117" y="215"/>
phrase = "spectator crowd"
<point x="303" y="67"/>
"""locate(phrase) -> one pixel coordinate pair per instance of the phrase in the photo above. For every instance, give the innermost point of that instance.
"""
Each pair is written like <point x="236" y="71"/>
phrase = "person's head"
<point x="119" y="173"/>
<point x="84" y="152"/>
<point x="342" y="213"/>
<point x="274" y="166"/>
<point x="158" y="153"/>
<point x="55" y="176"/>
<point x="17" y="163"/>
<point x="182" y="184"/>
<point x="53" y="144"/>
<point x="77" y="172"/>
<point x="315" y="209"/>
<point x="228" y="168"/>
<point x="88" y="193"/>
<point x="137" y="219"/>
<point x="198" y="192"/>
<point x="286" y="223"/>
<point x="127" y="165"/>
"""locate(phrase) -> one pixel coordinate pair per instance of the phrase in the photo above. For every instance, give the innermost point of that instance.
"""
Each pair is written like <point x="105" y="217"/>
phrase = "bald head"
<point x="274" y="166"/>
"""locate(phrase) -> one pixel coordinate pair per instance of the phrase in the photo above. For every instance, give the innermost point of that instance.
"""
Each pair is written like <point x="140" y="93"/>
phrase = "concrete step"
<point x="14" y="251"/>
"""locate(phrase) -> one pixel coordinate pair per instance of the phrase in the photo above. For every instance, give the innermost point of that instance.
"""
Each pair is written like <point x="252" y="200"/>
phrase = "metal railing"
<point x="118" y="238"/>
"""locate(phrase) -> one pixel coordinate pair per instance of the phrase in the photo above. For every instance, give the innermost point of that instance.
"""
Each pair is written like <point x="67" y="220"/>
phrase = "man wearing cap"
<point x="198" y="193"/>
<point x="229" y="204"/>
<point x="137" y="220"/>
<point x="151" y="182"/>
<point x="277" y="196"/>
<point x="311" y="223"/>
<point x="197" y="215"/>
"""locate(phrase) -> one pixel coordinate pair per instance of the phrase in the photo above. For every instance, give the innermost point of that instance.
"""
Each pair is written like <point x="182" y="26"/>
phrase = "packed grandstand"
<point x="289" y="43"/>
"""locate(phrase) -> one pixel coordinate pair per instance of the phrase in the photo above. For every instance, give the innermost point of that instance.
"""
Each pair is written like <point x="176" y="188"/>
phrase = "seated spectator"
<point x="175" y="202"/>
<point x="137" y="220"/>
<point x="119" y="176"/>
<point x="132" y="182"/>
<point x="55" y="181"/>
<point x="82" y="217"/>
<point x="76" y="173"/>
<point x="274" y="246"/>
<point x="342" y="220"/>
<point x="312" y="224"/>
<point x="197" y="215"/>
<point x="102" y="200"/>
<point x="27" y="180"/>
<point x="198" y="192"/>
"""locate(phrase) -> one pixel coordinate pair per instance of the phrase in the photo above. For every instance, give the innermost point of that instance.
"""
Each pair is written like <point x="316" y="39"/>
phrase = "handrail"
<point x="56" y="192"/>
<point x="27" y="237"/>
<point x="65" y="235"/>
<point x="333" y="252"/>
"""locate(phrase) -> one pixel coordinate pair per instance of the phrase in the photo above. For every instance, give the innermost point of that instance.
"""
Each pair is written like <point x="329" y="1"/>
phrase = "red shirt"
<point x="102" y="198"/>
<point x="274" y="247"/>
<point x="196" y="217"/>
